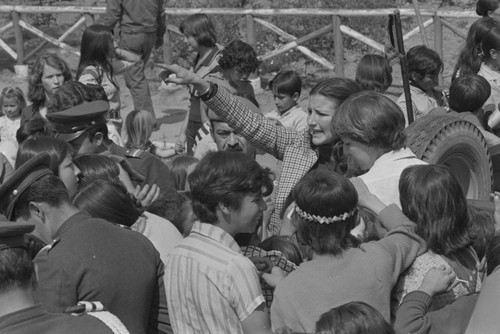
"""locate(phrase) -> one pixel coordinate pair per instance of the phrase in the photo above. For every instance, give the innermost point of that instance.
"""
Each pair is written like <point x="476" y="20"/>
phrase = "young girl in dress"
<point x="100" y="62"/>
<point x="341" y="269"/>
<point x="432" y="198"/>
<point x="12" y="101"/>
<point x="138" y="128"/>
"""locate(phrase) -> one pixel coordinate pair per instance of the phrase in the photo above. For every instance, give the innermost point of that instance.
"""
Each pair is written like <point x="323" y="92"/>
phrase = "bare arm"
<point x="257" y="322"/>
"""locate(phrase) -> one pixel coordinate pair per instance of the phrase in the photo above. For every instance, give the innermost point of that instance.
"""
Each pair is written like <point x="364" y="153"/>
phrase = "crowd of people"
<point x="297" y="221"/>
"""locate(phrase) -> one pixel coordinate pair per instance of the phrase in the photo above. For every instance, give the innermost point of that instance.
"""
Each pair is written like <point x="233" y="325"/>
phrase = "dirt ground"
<point x="170" y="105"/>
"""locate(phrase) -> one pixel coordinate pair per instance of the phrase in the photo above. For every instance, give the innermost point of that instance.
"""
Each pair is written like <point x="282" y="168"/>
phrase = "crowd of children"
<point x="363" y="236"/>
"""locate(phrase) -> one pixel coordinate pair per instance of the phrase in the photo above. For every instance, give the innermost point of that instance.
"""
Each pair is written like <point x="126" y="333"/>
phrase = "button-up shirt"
<point x="212" y="287"/>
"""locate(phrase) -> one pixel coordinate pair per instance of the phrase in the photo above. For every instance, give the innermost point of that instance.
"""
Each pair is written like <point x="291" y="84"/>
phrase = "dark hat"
<point x="12" y="234"/>
<point x="73" y="122"/>
<point x="20" y="180"/>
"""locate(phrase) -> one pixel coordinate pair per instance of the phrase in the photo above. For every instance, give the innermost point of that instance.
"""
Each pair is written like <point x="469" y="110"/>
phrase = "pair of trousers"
<point x="135" y="79"/>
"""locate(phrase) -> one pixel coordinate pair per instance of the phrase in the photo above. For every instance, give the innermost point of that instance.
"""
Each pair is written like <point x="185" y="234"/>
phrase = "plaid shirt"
<point x="292" y="147"/>
<point x="277" y="259"/>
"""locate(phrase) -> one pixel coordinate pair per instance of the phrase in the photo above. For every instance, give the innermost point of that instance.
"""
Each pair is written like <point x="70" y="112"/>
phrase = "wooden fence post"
<point x="251" y="39"/>
<point x="338" y="47"/>
<point x="438" y="40"/>
<point x="18" y="32"/>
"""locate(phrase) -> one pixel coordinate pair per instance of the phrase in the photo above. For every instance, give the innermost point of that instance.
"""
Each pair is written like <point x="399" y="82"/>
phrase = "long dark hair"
<point x="97" y="50"/>
<point x="36" y="92"/>
<point x="110" y="201"/>
<point x="433" y="199"/>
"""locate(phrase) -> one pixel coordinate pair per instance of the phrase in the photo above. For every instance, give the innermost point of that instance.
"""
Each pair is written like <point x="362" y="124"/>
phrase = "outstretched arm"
<point x="257" y="129"/>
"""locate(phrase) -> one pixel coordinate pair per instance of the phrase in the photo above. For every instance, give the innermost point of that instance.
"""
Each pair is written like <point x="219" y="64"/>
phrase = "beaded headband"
<point x="323" y="220"/>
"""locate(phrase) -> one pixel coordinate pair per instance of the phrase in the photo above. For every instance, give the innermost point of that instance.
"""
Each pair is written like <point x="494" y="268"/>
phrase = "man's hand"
<point x="185" y="77"/>
<point x="277" y="274"/>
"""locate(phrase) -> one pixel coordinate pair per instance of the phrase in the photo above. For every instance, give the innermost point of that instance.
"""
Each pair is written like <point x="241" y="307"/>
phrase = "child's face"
<point x="191" y="42"/>
<point x="427" y="82"/>
<point x="11" y="107"/>
<point x="284" y="101"/>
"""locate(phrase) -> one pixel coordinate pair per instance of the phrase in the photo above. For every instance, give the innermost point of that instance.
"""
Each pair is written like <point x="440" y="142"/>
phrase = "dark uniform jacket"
<point x="94" y="260"/>
<point x="148" y="165"/>
<point x="37" y="320"/>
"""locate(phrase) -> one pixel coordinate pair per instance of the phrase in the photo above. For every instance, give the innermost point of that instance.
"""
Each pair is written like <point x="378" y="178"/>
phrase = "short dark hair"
<point x="201" y="28"/>
<point x="48" y="189"/>
<point x="326" y="194"/>
<point x="374" y="73"/>
<point x="483" y="7"/>
<point x="433" y="199"/>
<point x="109" y="201"/>
<point x="423" y="61"/>
<point x="74" y="93"/>
<point x="286" y="82"/>
<point x="36" y="92"/>
<point x="225" y="177"/>
<point x="371" y="118"/>
<point x="353" y="318"/>
<point x="16" y="269"/>
<point x="57" y="149"/>
<point x="240" y="55"/>
<point x="469" y="93"/>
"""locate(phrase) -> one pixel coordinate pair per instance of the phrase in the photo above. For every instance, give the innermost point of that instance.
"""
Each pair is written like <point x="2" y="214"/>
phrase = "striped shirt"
<point x="211" y="286"/>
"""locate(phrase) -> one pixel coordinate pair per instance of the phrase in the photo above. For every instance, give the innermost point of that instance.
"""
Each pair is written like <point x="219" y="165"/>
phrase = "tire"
<point x="458" y="144"/>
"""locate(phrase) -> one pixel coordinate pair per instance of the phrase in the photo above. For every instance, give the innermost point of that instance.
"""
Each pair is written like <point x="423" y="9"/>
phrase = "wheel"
<point x="458" y="144"/>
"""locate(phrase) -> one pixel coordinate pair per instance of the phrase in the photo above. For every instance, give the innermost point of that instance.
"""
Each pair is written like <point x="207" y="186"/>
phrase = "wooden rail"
<point x="438" y="19"/>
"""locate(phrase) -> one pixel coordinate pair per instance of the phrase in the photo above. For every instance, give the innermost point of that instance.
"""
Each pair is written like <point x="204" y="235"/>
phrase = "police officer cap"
<point x="73" y="122"/>
<point x="29" y="172"/>
<point x="12" y="234"/>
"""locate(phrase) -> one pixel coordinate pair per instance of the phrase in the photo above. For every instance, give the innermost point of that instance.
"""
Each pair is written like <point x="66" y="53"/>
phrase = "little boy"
<point x="424" y="66"/>
<point x="286" y="87"/>
<point x="211" y="286"/>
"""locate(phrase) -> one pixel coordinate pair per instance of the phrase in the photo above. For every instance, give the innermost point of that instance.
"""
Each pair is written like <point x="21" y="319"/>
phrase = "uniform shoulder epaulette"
<point x="50" y="246"/>
<point x="134" y="153"/>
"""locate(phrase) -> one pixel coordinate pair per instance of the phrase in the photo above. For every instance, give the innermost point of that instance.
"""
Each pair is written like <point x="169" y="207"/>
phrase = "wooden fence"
<point x="438" y="19"/>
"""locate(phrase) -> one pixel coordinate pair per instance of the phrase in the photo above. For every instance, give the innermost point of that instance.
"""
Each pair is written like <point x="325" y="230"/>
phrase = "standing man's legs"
<point x="135" y="79"/>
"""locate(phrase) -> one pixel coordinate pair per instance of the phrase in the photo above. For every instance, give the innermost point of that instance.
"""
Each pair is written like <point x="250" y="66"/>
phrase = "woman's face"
<point x="321" y="110"/>
<point x="69" y="174"/>
<point x="191" y="42"/>
<point x="52" y="79"/>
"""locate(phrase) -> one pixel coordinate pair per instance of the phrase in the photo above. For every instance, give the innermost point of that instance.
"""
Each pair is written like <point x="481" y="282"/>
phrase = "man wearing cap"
<point x="19" y="314"/>
<point x="84" y="127"/>
<point x="89" y="259"/>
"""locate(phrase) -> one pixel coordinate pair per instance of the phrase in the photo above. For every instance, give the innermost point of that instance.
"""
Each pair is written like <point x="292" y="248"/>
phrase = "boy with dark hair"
<point x="424" y="66"/>
<point x="207" y="272"/>
<point x="286" y="87"/>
